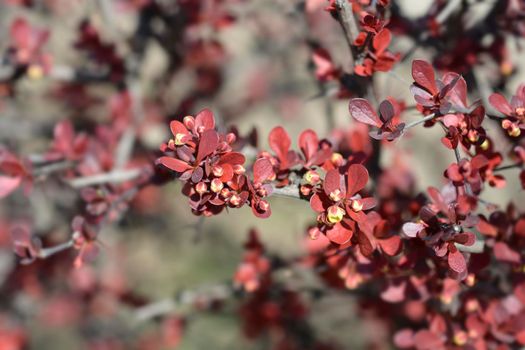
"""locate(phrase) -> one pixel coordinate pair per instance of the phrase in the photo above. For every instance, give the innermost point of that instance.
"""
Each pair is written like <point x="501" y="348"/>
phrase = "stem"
<point x="53" y="167"/>
<point x="417" y="122"/>
<point x="511" y="166"/>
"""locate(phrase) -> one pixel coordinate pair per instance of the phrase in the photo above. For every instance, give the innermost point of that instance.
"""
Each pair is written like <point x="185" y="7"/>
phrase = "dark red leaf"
<point x="362" y="111"/>
<point x="423" y="75"/>
<point x="357" y="177"/>
<point x="208" y="143"/>
<point x="262" y="170"/>
<point x="174" y="164"/>
<point x="280" y="142"/>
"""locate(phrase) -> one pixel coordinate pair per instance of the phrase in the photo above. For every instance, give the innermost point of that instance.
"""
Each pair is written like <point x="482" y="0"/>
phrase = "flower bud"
<point x="262" y="192"/>
<point x="189" y="122"/>
<point x="485" y="145"/>
<point x="336" y="195"/>
<point x="473" y="136"/>
<point x="520" y="111"/>
<point x="235" y="200"/>
<point x="460" y="338"/>
<point x="216" y="185"/>
<point x="201" y="188"/>
<point x="239" y="169"/>
<point x="35" y="72"/>
<point x="312" y="177"/>
<point x="217" y="171"/>
<point x="180" y="139"/>
<point x="263" y="205"/>
<point x="314" y="233"/>
<point x="225" y="193"/>
<point x="335" y="214"/>
<point x="356" y="205"/>
<point x="305" y="190"/>
<point x="514" y="131"/>
<point x="470" y="280"/>
<point x="231" y="138"/>
<point x="336" y="159"/>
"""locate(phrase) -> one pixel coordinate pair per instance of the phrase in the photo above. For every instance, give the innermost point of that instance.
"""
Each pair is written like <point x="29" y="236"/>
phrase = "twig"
<point x="47" y="252"/>
<point x="449" y="8"/>
<point x="511" y="166"/>
<point x="116" y="176"/>
<point x="420" y="121"/>
<point x="53" y="167"/>
<point x="184" y="298"/>
<point x="288" y="191"/>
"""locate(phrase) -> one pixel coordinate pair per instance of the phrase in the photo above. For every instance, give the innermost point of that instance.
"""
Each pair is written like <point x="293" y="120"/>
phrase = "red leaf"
<point x="205" y="119"/>
<point x="365" y="244"/>
<point x="178" y="128"/>
<point x="316" y="203"/>
<point x="391" y="245"/>
<point x="357" y="177"/>
<point x="394" y="293"/>
<point x="174" y="164"/>
<point x="404" y="338"/>
<point x="504" y="253"/>
<point x="423" y="75"/>
<point x="279" y="141"/>
<point x="339" y="234"/>
<point x="332" y="181"/>
<point x="208" y="143"/>
<point x="362" y="111"/>
<point x="456" y="261"/>
<point x="232" y="158"/>
<point x="262" y="170"/>
<point x="500" y="103"/>
<point x="381" y="41"/>
<point x="411" y="229"/>
<point x="63" y="136"/>
<point x="309" y="143"/>
<point x="8" y="185"/>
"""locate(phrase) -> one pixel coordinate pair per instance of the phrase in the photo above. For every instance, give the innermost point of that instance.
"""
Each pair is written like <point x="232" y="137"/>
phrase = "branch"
<point x="45" y="253"/>
<point x="184" y="298"/>
<point x="116" y="176"/>
<point x="291" y="191"/>
<point x="417" y="122"/>
<point x="346" y="19"/>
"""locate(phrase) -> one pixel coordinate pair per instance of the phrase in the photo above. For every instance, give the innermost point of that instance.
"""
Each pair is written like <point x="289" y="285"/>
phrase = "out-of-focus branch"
<point x="45" y="253"/>
<point x="346" y="19"/>
<point x="116" y="176"/>
<point x="184" y="298"/>
<point x="288" y="191"/>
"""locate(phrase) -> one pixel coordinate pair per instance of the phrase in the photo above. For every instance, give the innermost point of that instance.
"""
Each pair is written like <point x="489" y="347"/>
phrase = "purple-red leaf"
<point x="362" y="111"/>
<point x="423" y="75"/>
<point x="357" y="179"/>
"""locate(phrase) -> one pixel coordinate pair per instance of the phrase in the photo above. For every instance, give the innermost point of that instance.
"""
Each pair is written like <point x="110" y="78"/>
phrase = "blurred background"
<point x="251" y="63"/>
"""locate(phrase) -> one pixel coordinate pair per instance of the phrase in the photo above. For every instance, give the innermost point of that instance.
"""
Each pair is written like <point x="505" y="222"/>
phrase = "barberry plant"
<point x="439" y="266"/>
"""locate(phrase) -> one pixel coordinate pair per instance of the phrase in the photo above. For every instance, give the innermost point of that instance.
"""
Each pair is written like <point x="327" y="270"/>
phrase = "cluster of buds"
<point x="514" y="112"/>
<point x="214" y="174"/>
